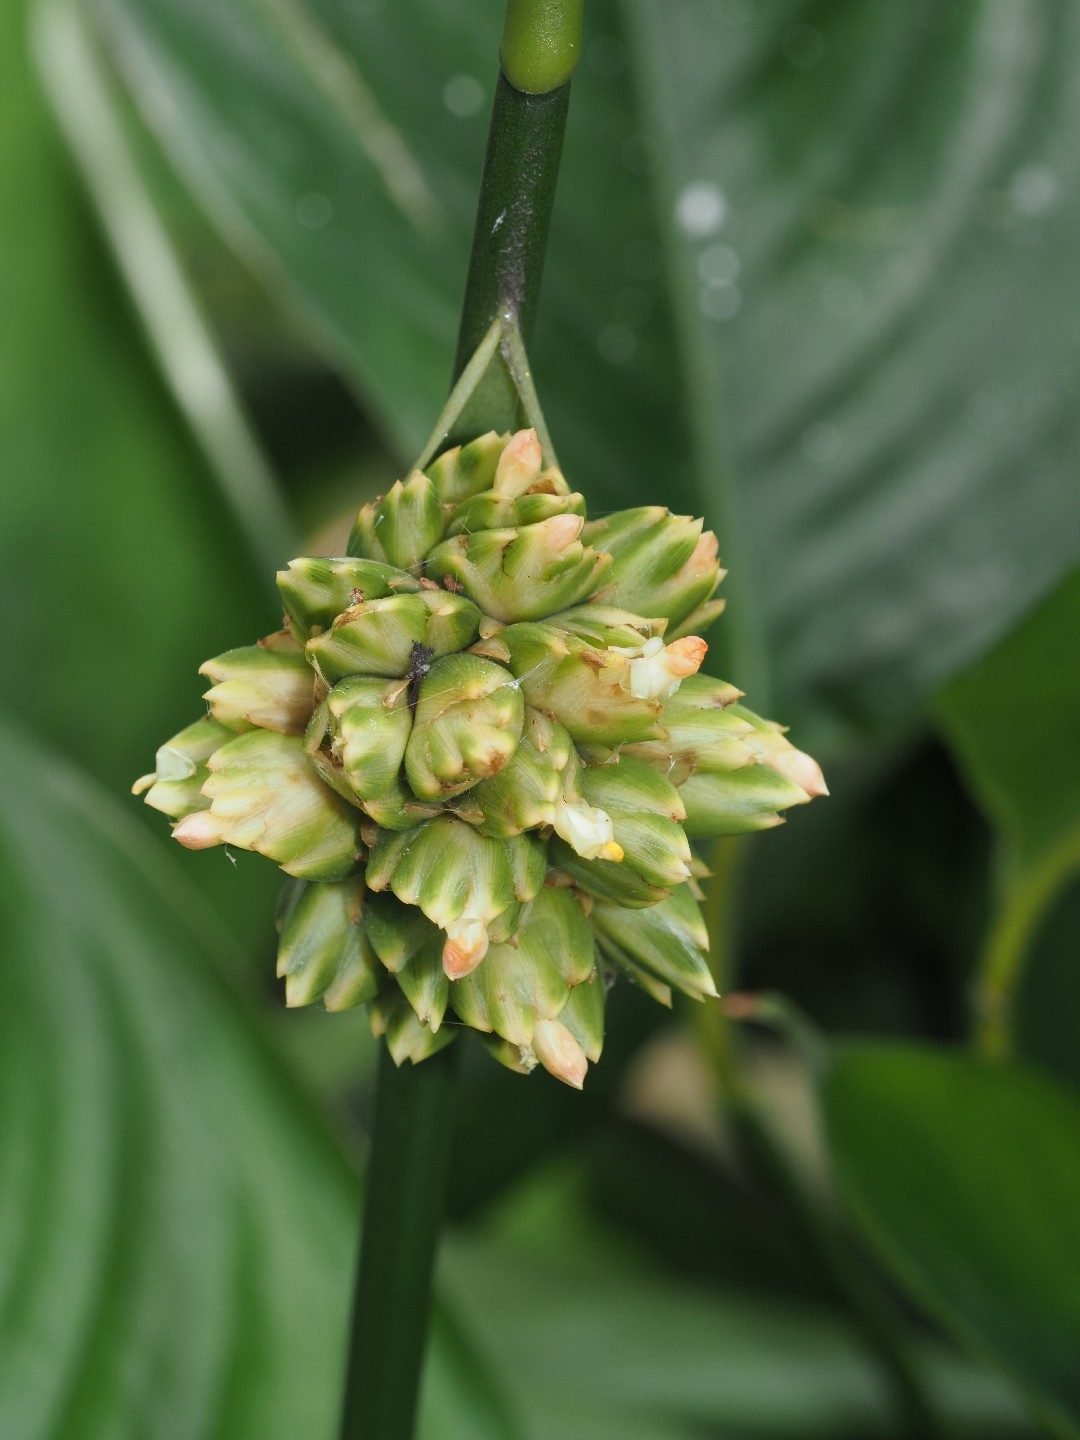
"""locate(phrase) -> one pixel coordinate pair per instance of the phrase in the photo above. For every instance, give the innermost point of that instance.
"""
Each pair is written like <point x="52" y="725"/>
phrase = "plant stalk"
<point x="872" y="1318"/>
<point x="410" y="1152"/>
<point x="1029" y="890"/>
<point x="410" y="1144"/>
<point x="517" y="193"/>
<point x="769" y="1163"/>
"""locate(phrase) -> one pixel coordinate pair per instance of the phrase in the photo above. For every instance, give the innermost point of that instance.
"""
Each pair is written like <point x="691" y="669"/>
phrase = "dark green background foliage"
<point x="813" y="275"/>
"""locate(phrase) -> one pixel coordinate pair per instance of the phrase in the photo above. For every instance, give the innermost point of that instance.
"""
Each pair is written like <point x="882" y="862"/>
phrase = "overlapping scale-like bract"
<point x="479" y="747"/>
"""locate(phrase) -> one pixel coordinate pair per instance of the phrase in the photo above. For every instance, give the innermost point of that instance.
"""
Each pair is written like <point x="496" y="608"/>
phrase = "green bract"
<point x="479" y="746"/>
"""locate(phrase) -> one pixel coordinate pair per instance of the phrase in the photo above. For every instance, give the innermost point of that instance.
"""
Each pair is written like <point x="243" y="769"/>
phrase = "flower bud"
<point x="370" y="723"/>
<point x="467" y="726"/>
<point x="324" y="953"/>
<point x="269" y="685"/>
<point x="175" y="787"/>
<point x="668" y="941"/>
<point x="606" y="626"/>
<point x="393" y="806"/>
<point x="314" y="590"/>
<point x="380" y="637"/>
<point x="530" y="980"/>
<point x="265" y="796"/>
<point x="645" y="810"/>
<point x="521" y="574"/>
<point x="396" y="931"/>
<point x="569" y="679"/>
<point x="460" y="879"/>
<point x="523" y="796"/>
<point x="702" y="730"/>
<point x="736" y="801"/>
<point x="492" y="511"/>
<point x="559" y="1052"/>
<point x="769" y="744"/>
<point x="467" y="470"/>
<point x="519" y="465"/>
<point x="661" y="564"/>
<point x="583" y="1015"/>
<point x="393" y="1019"/>
<point x="411" y="949"/>
<point x="403" y="525"/>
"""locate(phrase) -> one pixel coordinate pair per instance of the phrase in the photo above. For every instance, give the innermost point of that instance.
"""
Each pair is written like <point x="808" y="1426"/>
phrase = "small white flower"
<point x="587" y="830"/>
<point x="654" y="671"/>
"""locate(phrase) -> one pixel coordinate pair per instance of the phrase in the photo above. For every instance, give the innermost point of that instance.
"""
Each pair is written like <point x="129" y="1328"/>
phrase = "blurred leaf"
<point x="965" y="1177"/>
<point x="864" y="911"/>
<point x="120" y="570"/>
<point x="900" y="370"/>
<point x="1012" y="721"/>
<point x="697" y="1217"/>
<point x="601" y="1348"/>
<point x="185" y="350"/>
<point x="177" y="1224"/>
<point x="878" y="302"/>
<point x="1048" y="1002"/>
<point x="462" y="1399"/>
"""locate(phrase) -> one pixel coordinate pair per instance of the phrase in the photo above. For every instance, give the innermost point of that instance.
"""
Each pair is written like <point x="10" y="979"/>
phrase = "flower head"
<point x="479" y="746"/>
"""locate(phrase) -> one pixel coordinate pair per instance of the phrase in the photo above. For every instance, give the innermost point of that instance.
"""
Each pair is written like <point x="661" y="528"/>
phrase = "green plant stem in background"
<point x="766" y="1156"/>
<point x="717" y="1034"/>
<point x="1029" y="891"/>
<point x="414" y="1104"/>
<point x="410" y="1150"/>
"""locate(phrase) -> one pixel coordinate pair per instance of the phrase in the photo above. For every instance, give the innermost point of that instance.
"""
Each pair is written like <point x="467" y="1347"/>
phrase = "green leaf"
<point x="461" y="1396"/>
<point x="596" y="1346"/>
<point x="896" y="366"/>
<point x="897" y="359"/>
<point x="120" y="568"/>
<point x="965" y="1178"/>
<point x="174" y="1218"/>
<point x="1012" y="722"/>
<point x="1048" y="1001"/>
<point x="88" y="114"/>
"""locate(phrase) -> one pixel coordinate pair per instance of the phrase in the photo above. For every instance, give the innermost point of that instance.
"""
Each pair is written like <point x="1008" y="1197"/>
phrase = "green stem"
<point x="410" y="1149"/>
<point x="516" y="197"/>
<point x="541" y="43"/>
